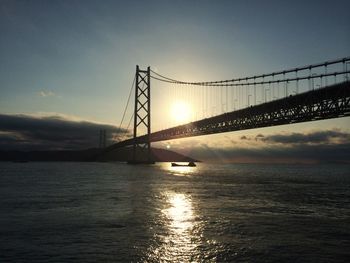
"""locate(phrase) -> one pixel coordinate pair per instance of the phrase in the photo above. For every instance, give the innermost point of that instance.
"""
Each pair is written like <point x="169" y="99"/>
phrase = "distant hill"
<point x="90" y="155"/>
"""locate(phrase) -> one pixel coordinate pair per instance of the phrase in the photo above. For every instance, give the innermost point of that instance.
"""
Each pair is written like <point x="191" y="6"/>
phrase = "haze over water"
<point x="110" y="212"/>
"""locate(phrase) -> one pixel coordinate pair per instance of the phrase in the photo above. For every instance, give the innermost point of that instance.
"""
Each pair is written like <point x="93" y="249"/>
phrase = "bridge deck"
<point x="325" y="103"/>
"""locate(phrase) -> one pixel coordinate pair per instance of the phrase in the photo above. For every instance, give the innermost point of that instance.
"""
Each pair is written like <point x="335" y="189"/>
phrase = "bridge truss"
<point x="325" y="103"/>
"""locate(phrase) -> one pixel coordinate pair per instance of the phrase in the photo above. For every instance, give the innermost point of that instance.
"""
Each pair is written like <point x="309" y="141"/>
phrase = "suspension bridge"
<point x="308" y="93"/>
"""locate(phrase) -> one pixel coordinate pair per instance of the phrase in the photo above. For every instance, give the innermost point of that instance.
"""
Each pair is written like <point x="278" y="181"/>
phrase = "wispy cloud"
<point x="46" y="93"/>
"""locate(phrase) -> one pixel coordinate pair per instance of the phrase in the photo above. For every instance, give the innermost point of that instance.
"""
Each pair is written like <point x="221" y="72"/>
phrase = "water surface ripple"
<point x="111" y="212"/>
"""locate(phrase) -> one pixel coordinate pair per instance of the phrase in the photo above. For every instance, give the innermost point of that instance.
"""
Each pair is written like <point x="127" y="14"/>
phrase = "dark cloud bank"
<point x="316" y="137"/>
<point x="296" y="154"/>
<point x="28" y="133"/>
<point x="314" y="147"/>
<point x="23" y="132"/>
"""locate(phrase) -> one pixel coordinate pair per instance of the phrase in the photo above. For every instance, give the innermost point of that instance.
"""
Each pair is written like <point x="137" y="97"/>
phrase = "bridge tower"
<point x="141" y="153"/>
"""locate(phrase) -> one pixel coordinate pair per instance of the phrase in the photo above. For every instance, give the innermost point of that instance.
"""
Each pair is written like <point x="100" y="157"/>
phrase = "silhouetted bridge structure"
<point x="301" y="102"/>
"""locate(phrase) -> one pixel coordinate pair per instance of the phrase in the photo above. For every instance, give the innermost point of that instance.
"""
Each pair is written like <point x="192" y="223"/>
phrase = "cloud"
<point x="44" y="93"/>
<point x="297" y="154"/>
<point x="25" y="132"/>
<point x="316" y="137"/>
<point x="313" y="137"/>
<point x="259" y="137"/>
<point x="310" y="147"/>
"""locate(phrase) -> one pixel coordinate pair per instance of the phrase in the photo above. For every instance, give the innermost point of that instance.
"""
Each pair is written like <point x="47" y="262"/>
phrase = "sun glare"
<point x="181" y="112"/>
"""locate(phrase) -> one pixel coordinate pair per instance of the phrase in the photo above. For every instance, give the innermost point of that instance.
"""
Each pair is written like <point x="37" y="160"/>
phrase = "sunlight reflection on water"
<point x="180" y="213"/>
<point x="183" y="235"/>
<point x="179" y="170"/>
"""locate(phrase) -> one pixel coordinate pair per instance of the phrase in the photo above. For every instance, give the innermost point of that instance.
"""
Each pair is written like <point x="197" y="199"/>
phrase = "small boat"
<point x="190" y="164"/>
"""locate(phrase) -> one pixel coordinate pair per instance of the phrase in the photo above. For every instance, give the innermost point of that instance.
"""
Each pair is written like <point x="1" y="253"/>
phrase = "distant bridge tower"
<point x="103" y="139"/>
<point x="142" y="117"/>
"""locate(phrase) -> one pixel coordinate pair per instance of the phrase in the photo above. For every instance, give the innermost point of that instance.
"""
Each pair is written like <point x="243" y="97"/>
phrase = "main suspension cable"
<point x="172" y="80"/>
<point x="255" y="83"/>
<point x="229" y="82"/>
<point x="132" y="116"/>
<point x="127" y="104"/>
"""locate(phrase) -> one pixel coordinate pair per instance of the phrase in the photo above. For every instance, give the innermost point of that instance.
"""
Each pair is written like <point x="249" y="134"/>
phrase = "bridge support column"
<point x="141" y="153"/>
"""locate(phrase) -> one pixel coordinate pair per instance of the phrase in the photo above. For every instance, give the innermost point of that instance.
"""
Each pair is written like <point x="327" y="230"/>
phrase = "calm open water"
<point x="110" y="212"/>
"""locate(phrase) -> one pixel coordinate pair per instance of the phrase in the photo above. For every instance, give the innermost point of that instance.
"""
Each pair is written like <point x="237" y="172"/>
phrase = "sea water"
<point x="113" y="212"/>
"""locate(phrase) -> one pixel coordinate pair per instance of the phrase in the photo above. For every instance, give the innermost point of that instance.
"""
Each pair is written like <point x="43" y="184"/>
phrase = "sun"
<point x="181" y="112"/>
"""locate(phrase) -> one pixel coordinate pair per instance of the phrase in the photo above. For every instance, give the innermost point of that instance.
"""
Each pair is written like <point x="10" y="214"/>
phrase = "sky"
<point x="75" y="60"/>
